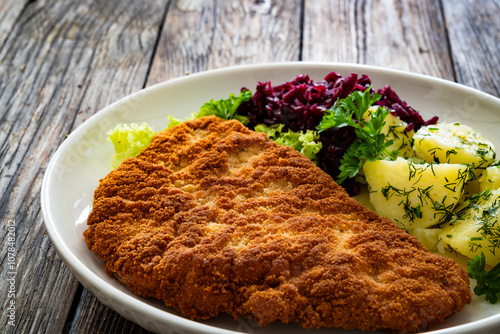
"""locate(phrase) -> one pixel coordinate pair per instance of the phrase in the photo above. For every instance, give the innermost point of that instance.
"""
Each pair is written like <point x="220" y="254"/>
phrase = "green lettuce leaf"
<point x="305" y="142"/>
<point x="129" y="141"/>
<point x="173" y="121"/>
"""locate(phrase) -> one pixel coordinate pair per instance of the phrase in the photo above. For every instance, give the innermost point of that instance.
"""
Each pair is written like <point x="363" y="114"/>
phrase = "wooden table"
<point x="62" y="61"/>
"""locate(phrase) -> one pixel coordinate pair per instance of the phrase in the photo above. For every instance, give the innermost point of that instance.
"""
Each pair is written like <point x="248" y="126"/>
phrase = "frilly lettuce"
<point x="173" y="121"/>
<point x="129" y="140"/>
<point x="305" y="142"/>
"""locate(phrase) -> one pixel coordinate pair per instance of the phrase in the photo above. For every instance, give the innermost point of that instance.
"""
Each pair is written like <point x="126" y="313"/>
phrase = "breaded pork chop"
<point x="212" y="217"/>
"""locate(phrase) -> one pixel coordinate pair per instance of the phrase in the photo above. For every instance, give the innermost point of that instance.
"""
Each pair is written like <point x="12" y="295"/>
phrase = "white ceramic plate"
<point x="84" y="157"/>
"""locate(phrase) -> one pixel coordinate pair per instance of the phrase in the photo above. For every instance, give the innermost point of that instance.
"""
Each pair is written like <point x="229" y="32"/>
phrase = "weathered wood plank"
<point x="9" y="12"/>
<point x="93" y="317"/>
<point x="408" y="35"/>
<point x="61" y="62"/>
<point x="200" y="35"/>
<point x="474" y="33"/>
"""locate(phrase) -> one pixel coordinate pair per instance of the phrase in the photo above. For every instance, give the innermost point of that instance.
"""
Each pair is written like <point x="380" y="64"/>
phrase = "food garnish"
<point x="306" y="142"/>
<point x="226" y="108"/>
<point x="488" y="282"/>
<point x="371" y="142"/>
<point x="129" y="141"/>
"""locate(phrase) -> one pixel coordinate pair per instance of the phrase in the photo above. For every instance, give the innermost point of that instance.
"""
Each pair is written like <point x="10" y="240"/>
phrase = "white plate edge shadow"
<point x="81" y="271"/>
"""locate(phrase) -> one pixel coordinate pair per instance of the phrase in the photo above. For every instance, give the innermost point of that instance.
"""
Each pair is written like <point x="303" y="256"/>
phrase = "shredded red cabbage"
<point x="402" y="109"/>
<point x="300" y="104"/>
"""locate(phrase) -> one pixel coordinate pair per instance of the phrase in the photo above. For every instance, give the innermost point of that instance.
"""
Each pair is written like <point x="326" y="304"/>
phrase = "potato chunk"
<point x="429" y="237"/>
<point x="453" y="143"/>
<point x="475" y="227"/>
<point x="490" y="179"/>
<point x="395" y="130"/>
<point x="415" y="196"/>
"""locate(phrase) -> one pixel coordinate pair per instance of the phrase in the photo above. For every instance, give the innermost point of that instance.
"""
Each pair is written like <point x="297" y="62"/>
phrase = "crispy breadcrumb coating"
<point x="212" y="217"/>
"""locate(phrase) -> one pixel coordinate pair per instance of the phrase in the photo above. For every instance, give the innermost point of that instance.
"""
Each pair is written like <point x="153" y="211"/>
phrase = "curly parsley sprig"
<point x="371" y="143"/>
<point x="488" y="282"/>
<point x="226" y="108"/>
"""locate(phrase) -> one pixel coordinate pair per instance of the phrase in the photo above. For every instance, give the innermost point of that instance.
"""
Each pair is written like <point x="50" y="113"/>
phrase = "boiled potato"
<point x="453" y="143"/>
<point x="490" y="179"/>
<point x="475" y="227"/>
<point x="429" y="237"/>
<point x="415" y="196"/>
<point x="395" y="129"/>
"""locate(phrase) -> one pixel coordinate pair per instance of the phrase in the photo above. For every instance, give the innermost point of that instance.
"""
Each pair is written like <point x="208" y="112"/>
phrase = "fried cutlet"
<point x="212" y="217"/>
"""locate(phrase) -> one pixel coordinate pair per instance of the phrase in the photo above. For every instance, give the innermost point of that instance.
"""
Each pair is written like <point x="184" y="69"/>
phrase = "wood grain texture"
<point x="61" y="62"/>
<point x="9" y="12"/>
<point x="474" y="33"/>
<point x="93" y="317"/>
<point x="408" y="35"/>
<point x="200" y="35"/>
